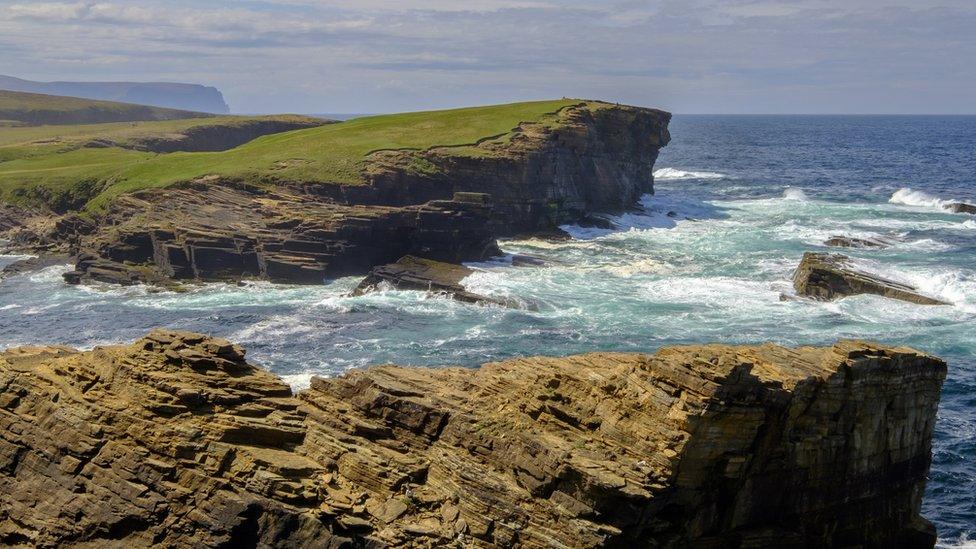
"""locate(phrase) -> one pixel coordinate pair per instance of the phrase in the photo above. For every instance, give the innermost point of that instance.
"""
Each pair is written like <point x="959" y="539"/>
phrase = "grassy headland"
<point x="334" y="153"/>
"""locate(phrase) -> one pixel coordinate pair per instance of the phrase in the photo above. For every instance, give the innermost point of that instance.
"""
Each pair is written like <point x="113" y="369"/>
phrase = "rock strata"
<point x="222" y="232"/>
<point x="177" y="441"/>
<point x="415" y="273"/>
<point x="832" y="276"/>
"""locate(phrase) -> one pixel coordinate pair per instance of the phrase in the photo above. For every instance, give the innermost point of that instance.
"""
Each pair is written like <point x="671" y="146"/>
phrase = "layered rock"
<point x="598" y="157"/>
<point x="832" y="276"/>
<point x="591" y="157"/>
<point x="415" y="273"/>
<point x="176" y="440"/>
<point x="207" y="231"/>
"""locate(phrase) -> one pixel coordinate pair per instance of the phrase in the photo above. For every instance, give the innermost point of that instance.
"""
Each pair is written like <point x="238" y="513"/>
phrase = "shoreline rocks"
<point x="176" y="440"/>
<point x="828" y="277"/>
<point x="962" y="207"/>
<point x="853" y="242"/>
<point x="426" y="275"/>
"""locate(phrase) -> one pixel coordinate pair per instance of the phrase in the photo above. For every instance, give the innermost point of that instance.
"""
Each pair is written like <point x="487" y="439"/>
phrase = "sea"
<point x="738" y="200"/>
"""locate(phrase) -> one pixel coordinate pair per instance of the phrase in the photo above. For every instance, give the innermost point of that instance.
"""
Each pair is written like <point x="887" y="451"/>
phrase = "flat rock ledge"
<point x="417" y="273"/>
<point x="828" y="277"/>
<point x="177" y="441"/>
<point x="854" y="242"/>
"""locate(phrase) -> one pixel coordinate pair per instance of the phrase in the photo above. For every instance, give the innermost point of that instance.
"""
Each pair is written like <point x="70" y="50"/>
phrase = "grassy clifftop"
<point x="33" y="109"/>
<point x="333" y="153"/>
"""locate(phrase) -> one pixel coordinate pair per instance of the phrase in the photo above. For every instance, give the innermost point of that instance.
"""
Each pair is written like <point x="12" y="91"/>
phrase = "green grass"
<point x="333" y="153"/>
<point x="36" y="108"/>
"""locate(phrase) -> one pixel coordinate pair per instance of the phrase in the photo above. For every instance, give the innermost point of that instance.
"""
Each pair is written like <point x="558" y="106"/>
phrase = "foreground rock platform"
<point x="176" y="441"/>
<point x="832" y="276"/>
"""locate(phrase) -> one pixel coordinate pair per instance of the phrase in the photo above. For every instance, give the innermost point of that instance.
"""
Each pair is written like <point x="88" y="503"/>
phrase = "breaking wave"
<point x="908" y="197"/>
<point x="793" y="193"/>
<point x="665" y="174"/>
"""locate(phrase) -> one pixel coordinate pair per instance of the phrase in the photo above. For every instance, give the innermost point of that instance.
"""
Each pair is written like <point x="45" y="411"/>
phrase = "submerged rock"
<point x="415" y="273"/>
<point x="177" y="441"/>
<point x="832" y="276"/>
<point x="962" y="207"/>
<point x="853" y="242"/>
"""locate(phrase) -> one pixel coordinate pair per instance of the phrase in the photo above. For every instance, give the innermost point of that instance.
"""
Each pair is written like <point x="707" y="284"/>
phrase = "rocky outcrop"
<point x="854" y="242"/>
<point x="210" y="231"/>
<point x="597" y="157"/>
<point x="414" y="273"/>
<point x="177" y="441"/>
<point x="593" y="157"/>
<point x="961" y="207"/>
<point x="832" y="276"/>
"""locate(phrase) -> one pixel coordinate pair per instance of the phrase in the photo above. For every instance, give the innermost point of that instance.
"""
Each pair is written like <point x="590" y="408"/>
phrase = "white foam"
<point x="299" y="382"/>
<point x="666" y="174"/>
<point x="920" y="199"/>
<point x="962" y="542"/>
<point x="793" y="193"/>
<point x="969" y="224"/>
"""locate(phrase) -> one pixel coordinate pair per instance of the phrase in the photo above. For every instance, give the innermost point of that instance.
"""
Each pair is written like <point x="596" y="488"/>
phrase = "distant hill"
<point x="189" y="97"/>
<point x="33" y="109"/>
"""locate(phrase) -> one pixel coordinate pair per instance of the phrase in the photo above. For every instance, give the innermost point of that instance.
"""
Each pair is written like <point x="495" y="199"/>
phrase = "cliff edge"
<point x="176" y="440"/>
<point x="352" y="208"/>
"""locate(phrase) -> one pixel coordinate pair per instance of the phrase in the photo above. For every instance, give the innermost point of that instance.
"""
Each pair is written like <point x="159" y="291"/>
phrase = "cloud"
<point x="382" y="55"/>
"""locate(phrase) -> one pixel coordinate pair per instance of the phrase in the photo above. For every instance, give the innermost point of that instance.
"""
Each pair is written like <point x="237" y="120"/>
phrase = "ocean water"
<point x="739" y="199"/>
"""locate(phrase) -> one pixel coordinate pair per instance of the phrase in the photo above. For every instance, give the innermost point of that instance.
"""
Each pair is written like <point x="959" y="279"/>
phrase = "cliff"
<point x="189" y="97"/>
<point x="584" y="157"/>
<point x="176" y="440"/>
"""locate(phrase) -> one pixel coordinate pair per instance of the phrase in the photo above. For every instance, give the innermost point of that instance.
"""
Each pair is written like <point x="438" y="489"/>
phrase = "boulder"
<point x="427" y="275"/>
<point x="962" y="207"/>
<point x="853" y="242"/>
<point x="177" y="441"/>
<point x="832" y="276"/>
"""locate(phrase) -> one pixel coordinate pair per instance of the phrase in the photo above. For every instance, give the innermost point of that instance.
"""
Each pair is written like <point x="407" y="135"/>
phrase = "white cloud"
<point x="380" y="55"/>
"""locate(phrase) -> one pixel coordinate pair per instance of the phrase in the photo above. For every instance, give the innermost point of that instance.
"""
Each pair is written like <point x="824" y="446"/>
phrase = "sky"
<point x="371" y="56"/>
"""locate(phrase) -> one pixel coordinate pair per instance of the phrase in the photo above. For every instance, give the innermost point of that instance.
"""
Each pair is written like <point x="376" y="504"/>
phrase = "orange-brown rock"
<point x="177" y="441"/>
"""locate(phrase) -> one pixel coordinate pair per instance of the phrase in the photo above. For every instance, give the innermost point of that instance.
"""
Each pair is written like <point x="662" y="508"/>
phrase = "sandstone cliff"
<point x="176" y="440"/>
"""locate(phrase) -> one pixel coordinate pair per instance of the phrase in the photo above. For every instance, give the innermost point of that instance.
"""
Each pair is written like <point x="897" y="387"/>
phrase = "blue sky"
<point x="688" y="56"/>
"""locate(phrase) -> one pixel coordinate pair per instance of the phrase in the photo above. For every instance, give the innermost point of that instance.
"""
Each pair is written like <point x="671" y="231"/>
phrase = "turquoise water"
<point x="747" y="196"/>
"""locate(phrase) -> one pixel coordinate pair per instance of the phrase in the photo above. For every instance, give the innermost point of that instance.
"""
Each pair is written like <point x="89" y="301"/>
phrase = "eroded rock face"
<point x="224" y="232"/>
<point x="177" y="440"/>
<point x="832" y="276"/>
<point x="598" y="158"/>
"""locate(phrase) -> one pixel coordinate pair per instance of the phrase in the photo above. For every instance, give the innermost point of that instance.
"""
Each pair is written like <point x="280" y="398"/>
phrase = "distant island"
<point x="172" y="95"/>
